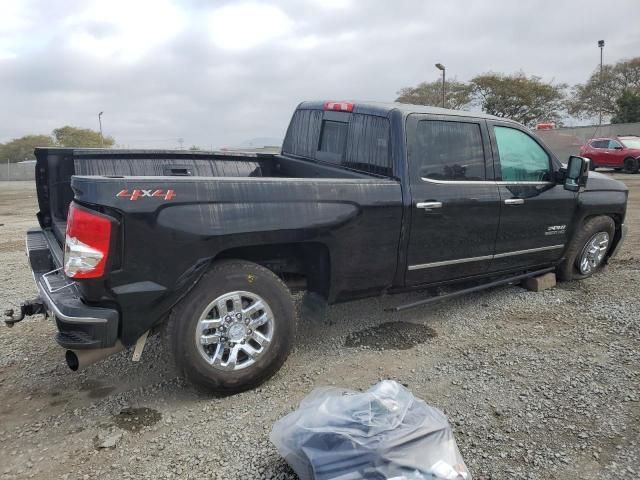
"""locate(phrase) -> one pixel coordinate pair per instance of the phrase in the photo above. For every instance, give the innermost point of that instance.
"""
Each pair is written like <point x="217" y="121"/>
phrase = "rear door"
<point x="597" y="152"/>
<point x="455" y="201"/>
<point x="535" y="212"/>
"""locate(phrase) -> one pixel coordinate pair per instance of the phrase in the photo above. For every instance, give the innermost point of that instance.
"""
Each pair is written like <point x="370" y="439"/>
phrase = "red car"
<point x="618" y="153"/>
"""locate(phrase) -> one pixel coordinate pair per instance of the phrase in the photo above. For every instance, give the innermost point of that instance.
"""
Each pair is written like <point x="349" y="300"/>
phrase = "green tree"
<point x="457" y="94"/>
<point x="80" y="137"/>
<point x="593" y="96"/>
<point x="20" y="149"/>
<point x="527" y="100"/>
<point x="627" y="108"/>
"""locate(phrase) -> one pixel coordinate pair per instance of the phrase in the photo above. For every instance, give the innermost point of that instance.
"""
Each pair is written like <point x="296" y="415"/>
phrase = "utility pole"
<point x="440" y="67"/>
<point x="100" y="122"/>
<point x="601" y="45"/>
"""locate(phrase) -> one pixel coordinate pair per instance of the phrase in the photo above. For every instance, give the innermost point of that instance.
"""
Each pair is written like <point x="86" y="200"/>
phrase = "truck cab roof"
<point x="384" y="108"/>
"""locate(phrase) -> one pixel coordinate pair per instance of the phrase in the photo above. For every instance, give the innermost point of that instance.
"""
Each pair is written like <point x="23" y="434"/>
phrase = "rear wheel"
<point x="630" y="165"/>
<point x="587" y="250"/>
<point x="235" y="328"/>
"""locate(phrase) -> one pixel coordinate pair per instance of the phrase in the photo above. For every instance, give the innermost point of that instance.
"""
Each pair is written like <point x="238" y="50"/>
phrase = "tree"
<point x="80" y="137"/>
<point x="588" y="99"/>
<point x="627" y="108"/>
<point x="527" y="100"/>
<point x="20" y="149"/>
<point x="458" y="94"/>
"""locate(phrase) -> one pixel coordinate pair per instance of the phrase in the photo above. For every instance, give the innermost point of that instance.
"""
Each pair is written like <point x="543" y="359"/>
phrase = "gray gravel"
<point x="536" y="385"/>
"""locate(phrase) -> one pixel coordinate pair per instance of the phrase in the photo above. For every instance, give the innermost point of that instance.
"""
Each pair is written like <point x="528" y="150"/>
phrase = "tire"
<point x="570" y="268"/>
<point x="631" y="165"/>
<point x="249" y="283"/>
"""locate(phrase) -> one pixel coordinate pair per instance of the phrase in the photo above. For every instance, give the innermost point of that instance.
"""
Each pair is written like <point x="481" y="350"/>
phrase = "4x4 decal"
<point x="141" y="193"/>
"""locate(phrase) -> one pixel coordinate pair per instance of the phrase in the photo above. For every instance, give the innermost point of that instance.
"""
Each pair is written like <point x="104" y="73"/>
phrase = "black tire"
<point x="223" y="277"/>
<point x="631" y="165"/>
<point x="568" y="270"/>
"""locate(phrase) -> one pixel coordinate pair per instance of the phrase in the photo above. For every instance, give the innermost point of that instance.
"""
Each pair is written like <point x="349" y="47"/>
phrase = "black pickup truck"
<point x="364" y="199"/>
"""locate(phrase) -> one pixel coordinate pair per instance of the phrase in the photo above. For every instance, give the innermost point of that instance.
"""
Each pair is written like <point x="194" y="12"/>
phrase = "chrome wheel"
<point x="234" y="330"/>
<point x="593" y="253"/>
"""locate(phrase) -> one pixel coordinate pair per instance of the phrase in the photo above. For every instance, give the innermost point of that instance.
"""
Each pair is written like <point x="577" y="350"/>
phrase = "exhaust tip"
<point x="72" y="360"/>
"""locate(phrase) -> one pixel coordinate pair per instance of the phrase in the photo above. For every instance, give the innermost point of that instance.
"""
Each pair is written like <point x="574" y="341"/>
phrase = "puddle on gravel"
<point x="391" y="336"/>
<point x="133" y="419"/>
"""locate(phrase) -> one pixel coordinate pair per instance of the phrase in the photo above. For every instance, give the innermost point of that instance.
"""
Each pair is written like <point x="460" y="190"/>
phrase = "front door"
<point x="455" y="200"/>
<point x="535" y="211"/>
<point x="615" y="154"/>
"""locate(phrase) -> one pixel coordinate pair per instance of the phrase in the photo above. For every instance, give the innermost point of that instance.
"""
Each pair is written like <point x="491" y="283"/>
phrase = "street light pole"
<point x="440" y="67"/>
<point x="601" y="45"/>
<point x="100" y="122"/>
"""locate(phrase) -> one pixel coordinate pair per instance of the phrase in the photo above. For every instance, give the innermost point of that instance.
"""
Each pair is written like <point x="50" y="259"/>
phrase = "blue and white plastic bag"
<point x="383" y="433"/>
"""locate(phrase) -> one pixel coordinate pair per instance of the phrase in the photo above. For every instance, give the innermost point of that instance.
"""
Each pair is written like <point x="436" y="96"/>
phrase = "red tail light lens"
<point x="86" y="244"/>
<point x="339" y="106"/>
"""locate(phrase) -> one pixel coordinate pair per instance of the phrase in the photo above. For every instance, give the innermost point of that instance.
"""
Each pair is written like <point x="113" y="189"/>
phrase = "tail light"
<point x="86" y="244"/>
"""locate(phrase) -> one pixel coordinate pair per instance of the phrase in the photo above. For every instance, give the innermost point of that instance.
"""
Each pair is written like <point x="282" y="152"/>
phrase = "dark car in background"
<point x="622" y="152"/>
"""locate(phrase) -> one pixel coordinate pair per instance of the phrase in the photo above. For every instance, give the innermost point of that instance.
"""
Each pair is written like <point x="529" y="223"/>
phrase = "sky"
<point x="223" y="73"/>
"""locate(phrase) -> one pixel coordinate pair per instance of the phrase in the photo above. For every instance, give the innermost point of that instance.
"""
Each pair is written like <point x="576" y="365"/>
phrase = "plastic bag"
<point x="383" y="433"/>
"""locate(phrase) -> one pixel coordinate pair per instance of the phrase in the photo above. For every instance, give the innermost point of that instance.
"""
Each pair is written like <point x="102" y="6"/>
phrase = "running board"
<point x="477" y="288"/>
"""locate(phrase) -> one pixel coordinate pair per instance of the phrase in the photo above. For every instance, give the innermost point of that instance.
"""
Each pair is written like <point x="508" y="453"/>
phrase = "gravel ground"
<point x="536" y="385"/>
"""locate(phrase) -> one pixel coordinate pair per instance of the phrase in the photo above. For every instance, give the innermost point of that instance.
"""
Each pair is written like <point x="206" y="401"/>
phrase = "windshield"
<point x="631" y="142"/>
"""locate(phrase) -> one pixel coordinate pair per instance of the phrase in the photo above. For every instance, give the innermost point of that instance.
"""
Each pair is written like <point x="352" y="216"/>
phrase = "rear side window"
<point x="449" y="150"/>
<point x="522" y="159"/>
<point x="600" y="143"/>
<point x="302" y="135"/>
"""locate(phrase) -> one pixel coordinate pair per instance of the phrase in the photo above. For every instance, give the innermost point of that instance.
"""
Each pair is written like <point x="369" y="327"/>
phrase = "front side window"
<point x="522" y="159"/>
<point x="613" y="144"/>
<point x="449" y="150"/>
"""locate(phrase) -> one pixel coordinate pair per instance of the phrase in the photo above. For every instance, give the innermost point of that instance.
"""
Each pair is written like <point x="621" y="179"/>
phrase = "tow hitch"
<point x="27" y="309"/>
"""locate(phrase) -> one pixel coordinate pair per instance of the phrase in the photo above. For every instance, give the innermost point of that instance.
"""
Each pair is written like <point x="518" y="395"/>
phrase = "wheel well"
<point x="617" y="219"/>
<point x="302" y="266"/>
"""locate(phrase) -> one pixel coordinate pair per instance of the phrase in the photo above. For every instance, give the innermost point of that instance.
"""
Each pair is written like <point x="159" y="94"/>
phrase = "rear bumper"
<point x="80" y="326"/>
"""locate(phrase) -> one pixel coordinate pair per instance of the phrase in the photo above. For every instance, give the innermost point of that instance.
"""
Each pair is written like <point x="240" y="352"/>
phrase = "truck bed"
<point x="56" y="166"/>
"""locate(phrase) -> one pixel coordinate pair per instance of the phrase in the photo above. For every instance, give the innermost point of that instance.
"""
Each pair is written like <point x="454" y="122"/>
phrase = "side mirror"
<point x="577" y="173"/>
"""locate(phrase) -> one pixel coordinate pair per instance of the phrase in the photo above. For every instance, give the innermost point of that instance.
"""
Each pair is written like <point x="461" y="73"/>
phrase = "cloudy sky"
<point x="218" y="73"/>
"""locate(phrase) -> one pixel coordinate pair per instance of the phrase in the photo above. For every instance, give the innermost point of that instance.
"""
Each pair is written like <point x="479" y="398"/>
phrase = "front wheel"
<point x="631" y="165"/>
<point x="587" y="250"/>
<point x="235" y="328"/>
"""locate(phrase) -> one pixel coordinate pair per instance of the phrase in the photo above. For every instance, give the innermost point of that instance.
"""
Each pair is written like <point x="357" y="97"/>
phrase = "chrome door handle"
<point x="514" y="201"/>
<point x="428" y="205"/>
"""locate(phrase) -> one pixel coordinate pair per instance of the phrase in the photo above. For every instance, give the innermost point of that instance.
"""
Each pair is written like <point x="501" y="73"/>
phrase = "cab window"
<point x="449" y="150"/>
<point x="522" y="159"/>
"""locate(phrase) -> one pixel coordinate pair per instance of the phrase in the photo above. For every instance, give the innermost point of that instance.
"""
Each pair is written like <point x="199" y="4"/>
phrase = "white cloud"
<point x="123" y="29"/>
<point x="247" y="25"/>
<point x="14" y="22"/>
